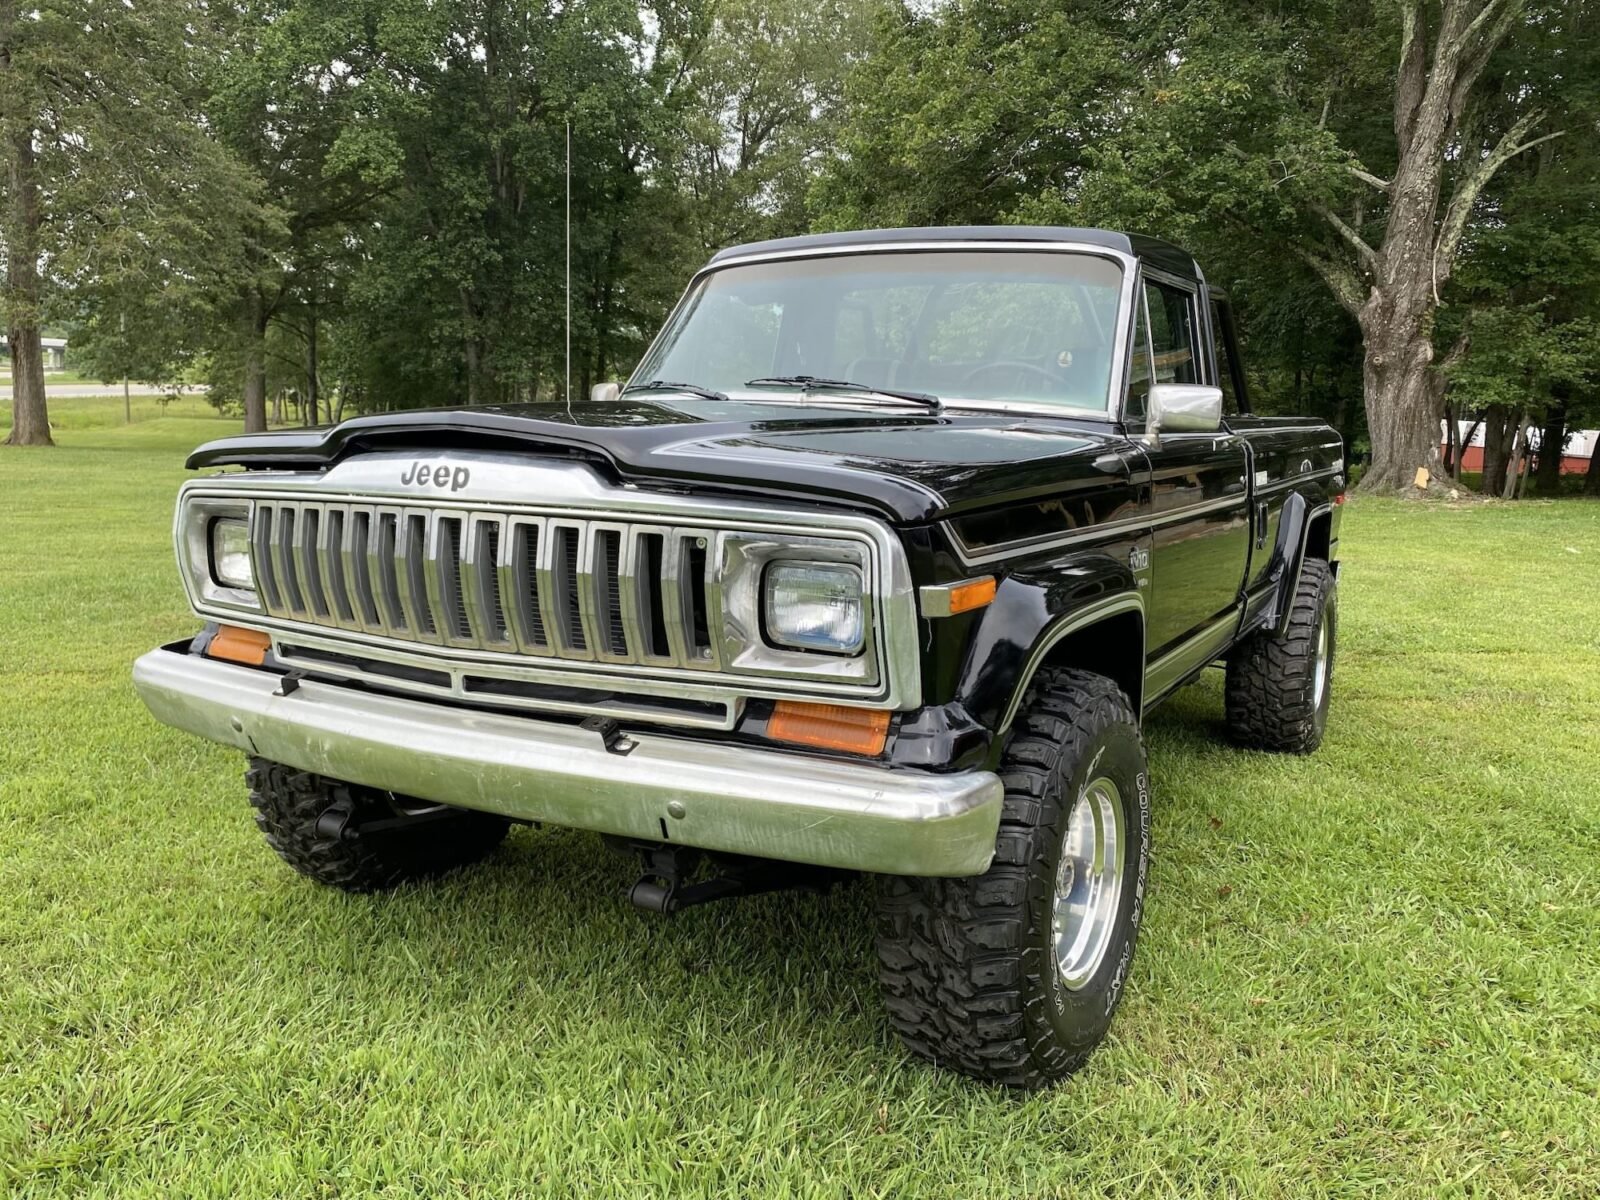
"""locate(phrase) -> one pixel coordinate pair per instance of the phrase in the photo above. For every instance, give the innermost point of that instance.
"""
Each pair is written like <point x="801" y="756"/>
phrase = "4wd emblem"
<point x="440" y="475"/>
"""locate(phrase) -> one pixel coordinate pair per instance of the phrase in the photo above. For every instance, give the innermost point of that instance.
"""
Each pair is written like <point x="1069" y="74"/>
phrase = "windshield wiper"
<point x="809" y="383"/>
<point x="667" y="385"/>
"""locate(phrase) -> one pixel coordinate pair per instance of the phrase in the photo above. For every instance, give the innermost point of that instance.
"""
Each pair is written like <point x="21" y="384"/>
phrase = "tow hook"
<point x="616" y="742"/>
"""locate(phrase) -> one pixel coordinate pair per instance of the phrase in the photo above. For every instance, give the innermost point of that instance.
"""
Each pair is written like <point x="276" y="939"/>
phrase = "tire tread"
<point x="960" y="979"/>
<point x="1269" y="700"/>
<point x="289" y="802"/>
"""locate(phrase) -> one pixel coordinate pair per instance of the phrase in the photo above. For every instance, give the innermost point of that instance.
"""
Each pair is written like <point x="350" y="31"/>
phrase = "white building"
<point x="55" y="352"/>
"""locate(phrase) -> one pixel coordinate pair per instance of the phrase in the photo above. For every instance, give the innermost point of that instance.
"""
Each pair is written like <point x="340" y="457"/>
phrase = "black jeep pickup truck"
<point x="875" y="565"/>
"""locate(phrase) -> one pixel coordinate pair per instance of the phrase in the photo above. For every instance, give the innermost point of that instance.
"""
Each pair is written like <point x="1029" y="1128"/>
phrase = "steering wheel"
<point x="1010" y="364"/>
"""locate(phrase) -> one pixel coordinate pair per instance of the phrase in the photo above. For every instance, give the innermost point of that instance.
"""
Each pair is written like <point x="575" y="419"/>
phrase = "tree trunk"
<point x="1552" y="439"/>
<point x="1591" y="478"/>
<point x="1402" y="393"/>
<point x="1519" y="451"/>
<point x="1452" y="442"/>
<point x="472" y="369"/>
<point x="1496" y="448"/>
<point x="311" y="362"/>
<point x="255" y="364"/>
<point x="30" y="417"/>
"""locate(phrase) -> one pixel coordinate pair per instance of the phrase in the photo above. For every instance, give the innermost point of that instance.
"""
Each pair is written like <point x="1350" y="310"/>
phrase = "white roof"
<point x="1581" y="443"/>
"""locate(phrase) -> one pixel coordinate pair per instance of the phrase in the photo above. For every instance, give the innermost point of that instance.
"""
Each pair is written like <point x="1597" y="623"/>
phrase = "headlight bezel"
<point x="772" y="616"/>
<point x="746" y="647"/>
<point x="196" y="517"/>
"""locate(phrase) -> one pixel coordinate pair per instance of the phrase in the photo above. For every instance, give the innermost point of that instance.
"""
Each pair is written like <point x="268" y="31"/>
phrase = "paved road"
<point x="53" y="391"/>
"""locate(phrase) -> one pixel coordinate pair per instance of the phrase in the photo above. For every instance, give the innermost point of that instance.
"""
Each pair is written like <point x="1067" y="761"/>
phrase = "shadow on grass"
<point x="548" y="913"/>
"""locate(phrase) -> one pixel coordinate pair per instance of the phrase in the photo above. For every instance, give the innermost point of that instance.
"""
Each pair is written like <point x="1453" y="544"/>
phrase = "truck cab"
<point x="875" y="564"/>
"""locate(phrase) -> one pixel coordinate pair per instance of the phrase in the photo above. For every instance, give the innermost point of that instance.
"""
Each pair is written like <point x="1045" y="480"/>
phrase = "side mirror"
<point x="1183" y="408"/>
<point x="609" y="393"/>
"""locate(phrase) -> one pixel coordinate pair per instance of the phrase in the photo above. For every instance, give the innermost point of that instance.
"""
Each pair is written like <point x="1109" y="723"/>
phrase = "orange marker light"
<point x="967" y="596"/>
<point x="246" y="646"/>
<point x="831" y="726"/>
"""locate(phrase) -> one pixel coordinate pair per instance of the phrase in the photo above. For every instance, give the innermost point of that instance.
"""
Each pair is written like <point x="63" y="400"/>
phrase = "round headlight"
<point x="815" y="606"/>
<point x="230" y="554"/>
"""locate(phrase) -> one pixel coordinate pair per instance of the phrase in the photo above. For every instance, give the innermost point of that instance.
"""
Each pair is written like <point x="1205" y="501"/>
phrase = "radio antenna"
<point x="568" y="391"/>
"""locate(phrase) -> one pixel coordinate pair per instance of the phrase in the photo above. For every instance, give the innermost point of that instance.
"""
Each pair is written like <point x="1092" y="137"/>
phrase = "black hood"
<point x="904" y="463"/>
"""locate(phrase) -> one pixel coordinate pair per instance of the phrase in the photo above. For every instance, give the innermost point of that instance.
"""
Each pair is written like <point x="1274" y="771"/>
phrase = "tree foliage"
<point x="357" y="204"/>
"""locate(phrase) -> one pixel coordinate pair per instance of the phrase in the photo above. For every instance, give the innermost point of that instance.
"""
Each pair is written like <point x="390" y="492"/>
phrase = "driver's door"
<point x="1199" y="503"/>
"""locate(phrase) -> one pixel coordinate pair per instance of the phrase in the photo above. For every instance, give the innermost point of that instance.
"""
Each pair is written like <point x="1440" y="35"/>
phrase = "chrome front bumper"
<point x="717" y="796"/>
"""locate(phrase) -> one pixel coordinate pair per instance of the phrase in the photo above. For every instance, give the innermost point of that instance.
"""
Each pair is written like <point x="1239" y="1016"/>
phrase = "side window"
<point x="1221" y="335"/>
<point x="1138" y="370"/>
<point x="1171" y="333"/>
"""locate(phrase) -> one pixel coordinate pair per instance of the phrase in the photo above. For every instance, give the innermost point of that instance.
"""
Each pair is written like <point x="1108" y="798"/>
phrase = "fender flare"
<point x="1033" y="609"/>
<point x="1288" y="560"/>
<point x="1084" y="617"/>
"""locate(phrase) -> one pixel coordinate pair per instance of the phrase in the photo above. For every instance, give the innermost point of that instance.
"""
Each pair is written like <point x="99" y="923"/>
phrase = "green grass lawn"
<point x="79" y="413"/>
<point x="1377" y="969"/>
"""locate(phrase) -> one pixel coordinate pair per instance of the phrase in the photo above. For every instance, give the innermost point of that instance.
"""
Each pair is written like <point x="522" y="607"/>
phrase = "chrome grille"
<point x="557" y="587"/>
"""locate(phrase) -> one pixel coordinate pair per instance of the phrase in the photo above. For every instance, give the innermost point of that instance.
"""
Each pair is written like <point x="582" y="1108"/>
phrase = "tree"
<point x="1357" y="141"/>
<point x="109" y="182"/>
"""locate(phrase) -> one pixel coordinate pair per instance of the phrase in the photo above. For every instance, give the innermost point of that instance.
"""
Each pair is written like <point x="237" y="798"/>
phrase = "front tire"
<point x="1278" y="688"/>
<point x="1013" y="976"/>
<point x="315" y="825"/>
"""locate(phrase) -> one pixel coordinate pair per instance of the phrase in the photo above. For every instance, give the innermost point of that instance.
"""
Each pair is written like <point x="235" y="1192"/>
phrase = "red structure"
<point x="1581" y="446"/>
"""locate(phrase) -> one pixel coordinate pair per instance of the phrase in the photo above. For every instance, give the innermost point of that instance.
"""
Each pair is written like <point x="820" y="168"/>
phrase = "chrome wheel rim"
<point x="1319" y="675"/>
<point x="1088" y="883"/>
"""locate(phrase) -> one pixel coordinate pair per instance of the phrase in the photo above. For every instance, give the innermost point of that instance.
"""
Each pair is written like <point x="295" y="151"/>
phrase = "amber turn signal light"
<point x="247" y="646"/>
<point x="967" y="596"/>
<point x="948" y="599"/>
<point x="830" y="726"/>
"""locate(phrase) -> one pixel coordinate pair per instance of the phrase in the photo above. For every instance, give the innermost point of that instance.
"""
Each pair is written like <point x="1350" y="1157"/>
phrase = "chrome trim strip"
<point x="628" y="699"/>
<point x="1144" y="523"/>
<point x="717" y="796"/>
<point x="1278" y="485"/>
<point x="1193" y="652"/>
<point x="1090" y="614"/>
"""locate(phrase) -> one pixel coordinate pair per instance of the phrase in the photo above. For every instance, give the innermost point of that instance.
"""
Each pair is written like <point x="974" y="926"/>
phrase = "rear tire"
<point x="290" y="809"/>
<point x="994" y="976"/>
<point x="1278" y="687"/>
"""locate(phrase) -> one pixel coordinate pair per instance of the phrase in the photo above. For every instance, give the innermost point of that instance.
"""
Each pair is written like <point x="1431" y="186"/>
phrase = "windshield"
<point x="989" y="325"/>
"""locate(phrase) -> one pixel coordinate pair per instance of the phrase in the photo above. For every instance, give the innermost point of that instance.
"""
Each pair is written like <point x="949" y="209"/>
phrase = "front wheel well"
<point x="1112" y="646"/>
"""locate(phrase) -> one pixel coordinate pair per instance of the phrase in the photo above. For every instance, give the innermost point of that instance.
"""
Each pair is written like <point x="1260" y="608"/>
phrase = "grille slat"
<point x="330" y="556"/>
<point x="563" y="587"/>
